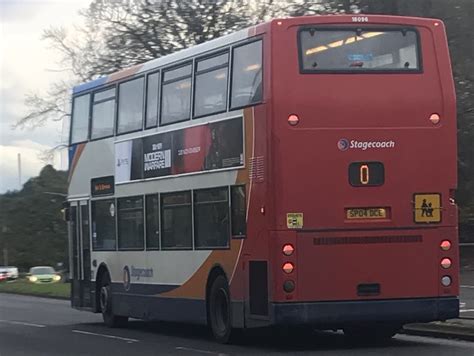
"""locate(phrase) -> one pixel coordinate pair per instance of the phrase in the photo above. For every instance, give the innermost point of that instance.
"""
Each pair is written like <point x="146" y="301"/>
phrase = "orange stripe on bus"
<point x="195" y="287"/>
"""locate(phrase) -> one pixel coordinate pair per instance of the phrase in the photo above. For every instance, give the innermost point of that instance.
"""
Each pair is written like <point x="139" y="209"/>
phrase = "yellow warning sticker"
<point x="294" y="220"/>
<point x="427" y="208"/>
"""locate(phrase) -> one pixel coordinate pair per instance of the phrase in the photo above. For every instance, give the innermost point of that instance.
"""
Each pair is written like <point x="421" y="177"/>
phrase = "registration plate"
<point x="366" y="213"/>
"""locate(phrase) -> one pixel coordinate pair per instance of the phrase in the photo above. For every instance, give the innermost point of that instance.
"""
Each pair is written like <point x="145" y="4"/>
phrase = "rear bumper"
<point x="338" y="314"/>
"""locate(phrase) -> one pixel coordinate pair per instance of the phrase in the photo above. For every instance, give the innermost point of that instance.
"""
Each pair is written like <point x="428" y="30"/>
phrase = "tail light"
<point x="293" y="120"/>
<point x="445" y="245"/>
<point x="446" y="263"/>
<point x="288" y="249"/>
<point x="288" y="267"/>
<point x="435" y="119"/>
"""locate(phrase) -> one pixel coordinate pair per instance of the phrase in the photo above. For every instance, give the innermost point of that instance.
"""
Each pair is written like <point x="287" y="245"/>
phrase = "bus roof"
<point x="173" y="58"/>
<point x="217" y="43"/>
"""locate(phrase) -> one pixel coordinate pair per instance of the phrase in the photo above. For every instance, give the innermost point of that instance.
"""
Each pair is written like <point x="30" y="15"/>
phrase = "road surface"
<point x="467" y="281"/>
<point x="38" y="326"/>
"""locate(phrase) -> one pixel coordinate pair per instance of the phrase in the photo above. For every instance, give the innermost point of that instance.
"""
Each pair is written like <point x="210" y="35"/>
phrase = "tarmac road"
<point x="39" y="326"/>
<point x="467" y="281"/>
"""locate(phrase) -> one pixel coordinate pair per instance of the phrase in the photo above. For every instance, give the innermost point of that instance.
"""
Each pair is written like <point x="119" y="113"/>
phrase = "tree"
<point x="31" y="225"/>
<point x="121" y="33"/>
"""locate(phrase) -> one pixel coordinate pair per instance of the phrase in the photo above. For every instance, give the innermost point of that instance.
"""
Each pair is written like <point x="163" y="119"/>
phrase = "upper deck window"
<point x="176" y="95"/>
<point x="359" y="50"/>
<point x="246" y="75"/>
<point x="152" y="94"/>
<point x="80" y="118"/>
<point x="211" y="85"/>
<point x="103" y="113"/>
<point x="130" y="107"/>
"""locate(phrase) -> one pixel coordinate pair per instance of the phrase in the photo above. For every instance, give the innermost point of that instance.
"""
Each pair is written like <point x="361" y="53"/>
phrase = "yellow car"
<point x="43" y="274"/>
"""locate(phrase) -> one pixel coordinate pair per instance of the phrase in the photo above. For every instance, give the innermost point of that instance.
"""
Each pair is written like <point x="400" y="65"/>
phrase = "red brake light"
<point x="445" y="245"/>
<point x="293" y="120"/>
<point x="435" y="119"/>
<point x="288" y="267"/>
<point x="288" y="249"/>
<point x="446" y="263"/>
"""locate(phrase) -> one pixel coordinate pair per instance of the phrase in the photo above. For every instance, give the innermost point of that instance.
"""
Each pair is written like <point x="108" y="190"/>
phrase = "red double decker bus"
<point x="298" y="173"/>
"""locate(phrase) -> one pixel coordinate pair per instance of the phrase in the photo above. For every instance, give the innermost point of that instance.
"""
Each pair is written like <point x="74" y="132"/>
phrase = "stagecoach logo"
<point x="344" y="144"/>
<point x="135" y="272"/>
<point x="126" y="278"/>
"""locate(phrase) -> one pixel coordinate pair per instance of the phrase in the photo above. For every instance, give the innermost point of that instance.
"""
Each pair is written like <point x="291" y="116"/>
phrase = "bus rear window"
<point x="358" y="50"/>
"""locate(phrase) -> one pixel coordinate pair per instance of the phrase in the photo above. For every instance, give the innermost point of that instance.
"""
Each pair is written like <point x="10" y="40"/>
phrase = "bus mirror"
<point x="65" y="213"/>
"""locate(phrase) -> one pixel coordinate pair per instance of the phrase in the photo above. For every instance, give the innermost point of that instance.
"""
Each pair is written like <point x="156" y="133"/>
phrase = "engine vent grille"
<point x="257" y="169"/>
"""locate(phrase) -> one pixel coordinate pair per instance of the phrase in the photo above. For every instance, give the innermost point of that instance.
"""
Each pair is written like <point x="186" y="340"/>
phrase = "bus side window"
<point x="210" y="86"/>
<point x="130" y="106"/>
<point x="176" y="95"/>
<point x="80" y="119"/>
<point x="152" y="96"/>
<point x="238" y="207"/>
<point x="103" y="225"/>
<point x="246" y="75"/>
<point x="176" y="221"/>
<point x="130" y="223"/>
<point x="211" y="218"/>
<point x="103" y="114"/>
<point x="152" y="222"/>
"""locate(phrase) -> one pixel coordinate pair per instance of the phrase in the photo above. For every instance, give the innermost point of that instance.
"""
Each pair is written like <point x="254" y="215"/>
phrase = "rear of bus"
<point x="363" y="156"/>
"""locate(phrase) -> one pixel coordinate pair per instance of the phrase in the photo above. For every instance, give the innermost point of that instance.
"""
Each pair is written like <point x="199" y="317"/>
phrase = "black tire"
<point x="219" y="310"/>
<point x="371" y="334"/>
<point x="105" y="305"/>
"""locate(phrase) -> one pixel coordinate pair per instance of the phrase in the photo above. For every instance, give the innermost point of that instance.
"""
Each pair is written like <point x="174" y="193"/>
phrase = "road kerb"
<point x="441" y="330"/>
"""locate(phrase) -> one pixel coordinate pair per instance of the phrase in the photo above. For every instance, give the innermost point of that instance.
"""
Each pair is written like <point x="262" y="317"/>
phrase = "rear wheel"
<point x="219" y="310"/>
<point x="371" y="333"/>
<point x="105" y="298"/>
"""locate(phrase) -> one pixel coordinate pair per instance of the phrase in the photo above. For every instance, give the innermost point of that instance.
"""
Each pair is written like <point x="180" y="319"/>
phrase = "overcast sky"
<point x="26" y="64"/>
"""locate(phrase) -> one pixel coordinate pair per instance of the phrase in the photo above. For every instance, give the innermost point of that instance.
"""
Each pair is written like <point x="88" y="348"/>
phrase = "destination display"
<point x="215" y="145"/>
<point x="102" y="186"/>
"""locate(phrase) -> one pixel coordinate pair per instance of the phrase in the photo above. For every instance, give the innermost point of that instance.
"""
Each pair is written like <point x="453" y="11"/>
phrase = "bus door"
<point x="81" y="254"/>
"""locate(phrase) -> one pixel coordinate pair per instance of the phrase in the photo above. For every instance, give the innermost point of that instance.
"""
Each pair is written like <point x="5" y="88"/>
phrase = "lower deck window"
<point x="176" y="221"/>
<point x="211" y="218"/>
<point x="152" y="222"/>
<point x="103" y="224"/>
<point x="130" y="223"/>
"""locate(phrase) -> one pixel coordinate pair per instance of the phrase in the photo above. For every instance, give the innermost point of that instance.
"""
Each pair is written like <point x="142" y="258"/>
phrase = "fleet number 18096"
<point x="360" y="19"/>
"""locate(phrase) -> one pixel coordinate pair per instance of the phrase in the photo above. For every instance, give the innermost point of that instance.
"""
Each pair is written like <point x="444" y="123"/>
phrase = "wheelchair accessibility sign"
<point x="427" y="208"/>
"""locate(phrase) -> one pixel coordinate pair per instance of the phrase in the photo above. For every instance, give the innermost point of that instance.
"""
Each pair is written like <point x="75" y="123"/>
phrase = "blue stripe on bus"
<point x="71" y="153"/>
<point x="89" y="85"/>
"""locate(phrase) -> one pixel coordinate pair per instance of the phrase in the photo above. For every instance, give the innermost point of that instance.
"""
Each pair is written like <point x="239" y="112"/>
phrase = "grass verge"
<point x="55" y="290"/>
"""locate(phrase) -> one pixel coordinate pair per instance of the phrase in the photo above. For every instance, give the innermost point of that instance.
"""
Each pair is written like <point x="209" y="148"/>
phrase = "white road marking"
<point x="105" y="335"/>
<point x="22" y="323"/>
<point x="472" y="287"/>
<point x="199" y="351"/>
<point x="466" y="310"/>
